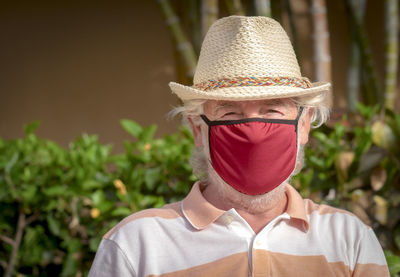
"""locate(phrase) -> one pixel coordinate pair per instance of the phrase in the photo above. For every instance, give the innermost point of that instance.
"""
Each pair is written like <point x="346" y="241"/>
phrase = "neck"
<point x="267" y="206"/>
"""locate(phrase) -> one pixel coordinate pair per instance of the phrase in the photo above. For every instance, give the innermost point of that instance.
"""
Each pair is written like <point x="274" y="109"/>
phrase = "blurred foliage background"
<point x="57" y="202"/>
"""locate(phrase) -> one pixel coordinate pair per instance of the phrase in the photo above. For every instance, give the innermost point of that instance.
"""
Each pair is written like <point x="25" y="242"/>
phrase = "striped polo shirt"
<point x="194" y="238"/>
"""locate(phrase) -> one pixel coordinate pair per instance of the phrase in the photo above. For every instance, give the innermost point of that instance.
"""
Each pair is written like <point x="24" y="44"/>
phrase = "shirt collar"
<point x="197" y="210"/>
<point x="296" y="208"/>
<point x="201" y="213"/>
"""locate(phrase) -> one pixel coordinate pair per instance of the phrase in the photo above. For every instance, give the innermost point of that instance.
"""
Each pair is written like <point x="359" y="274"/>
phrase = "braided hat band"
<point x="247" y="58"/>
<point x="253" y="81"/>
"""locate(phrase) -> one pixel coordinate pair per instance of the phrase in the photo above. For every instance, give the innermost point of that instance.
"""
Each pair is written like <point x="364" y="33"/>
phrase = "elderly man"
<point x="250" y="111"/>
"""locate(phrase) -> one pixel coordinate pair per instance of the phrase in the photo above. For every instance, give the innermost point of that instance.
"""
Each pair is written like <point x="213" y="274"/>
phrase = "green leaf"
<point x="28" y="195"/>
<point x="131" y="127"/>
<point x="32" y="247"/>
<point x="315" y="161"/>
<point x="102" y="177"/>
<point x="151" y="177"/>
<point x="100" y="201"/>
<point x="367" y="111"/>
<point x="30" y="128"/>
<point x="98" y="197"/>
<point x="70" y="266"/>
<point x="51" y="205"/>
<point x="73" y="245"/>
<point x="94" y="243"/>
<point x="105" y="206"/>
<point x="320" y="136"/>
<point x="393" y="262"/>
<point x="54" y="190"/>
<point x="152" y="201"/>
<point x="121" y="212"/>
<point x="11" y="163"/>
<point x="339" y="130"/>
<point x="54" y="225"/>
<point x="90" y="184"/>
<point x="148" y="133"/>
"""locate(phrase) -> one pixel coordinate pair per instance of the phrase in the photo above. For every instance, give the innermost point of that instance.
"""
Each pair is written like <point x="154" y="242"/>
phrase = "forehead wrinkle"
<point x="278" y="101"/>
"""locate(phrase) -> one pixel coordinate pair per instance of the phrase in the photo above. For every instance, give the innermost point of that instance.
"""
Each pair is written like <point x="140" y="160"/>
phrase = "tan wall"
<point x="81" y="66"/>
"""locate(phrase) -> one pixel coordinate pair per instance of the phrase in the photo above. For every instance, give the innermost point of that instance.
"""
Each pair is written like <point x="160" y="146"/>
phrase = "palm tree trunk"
<point x="293" y="29"/>
<point x="276" y="10"/>
<point x="209" y="14"/>
<point x="353" y="74"/>
<point x="183" y="46"/>
<point x="322" y="54"/>
<point x="391" y="51"/>
<point x="194" y="19"/>
<point x="262" y="7"/>
<point x="234" y="7"/>
<point x="371" y="92"/>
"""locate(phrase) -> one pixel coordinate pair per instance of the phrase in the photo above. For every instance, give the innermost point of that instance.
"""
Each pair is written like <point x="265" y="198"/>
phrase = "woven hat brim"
<point x="247" y="92"/>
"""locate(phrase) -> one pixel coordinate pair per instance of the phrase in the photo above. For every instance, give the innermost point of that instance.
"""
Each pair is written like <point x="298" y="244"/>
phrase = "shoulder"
<point x="323" y="210"/>
<point x="334" y="220"/>
<point x="138" y="236"/>
<point x="141" y="219"/>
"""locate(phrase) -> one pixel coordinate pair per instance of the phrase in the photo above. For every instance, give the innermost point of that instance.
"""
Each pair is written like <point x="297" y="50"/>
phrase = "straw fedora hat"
<point x="247" y="58"/>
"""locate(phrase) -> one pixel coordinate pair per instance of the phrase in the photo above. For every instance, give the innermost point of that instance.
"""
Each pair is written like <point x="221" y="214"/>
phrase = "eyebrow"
<point x="223" y="105"/>
<point x="266" y="102"/>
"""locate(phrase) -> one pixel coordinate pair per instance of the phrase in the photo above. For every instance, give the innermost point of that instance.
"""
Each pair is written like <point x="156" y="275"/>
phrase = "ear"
<point x="196" y="130"/>
<point x="305" y="126"/>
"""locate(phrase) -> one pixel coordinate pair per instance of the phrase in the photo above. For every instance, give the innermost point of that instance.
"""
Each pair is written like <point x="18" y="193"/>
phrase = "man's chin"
<point x="250" y="203"/>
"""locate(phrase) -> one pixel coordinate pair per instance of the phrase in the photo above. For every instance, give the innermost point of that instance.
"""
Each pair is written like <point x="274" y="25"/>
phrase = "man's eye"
<point x="274" y="111"/>
<point x="229" y="113"/>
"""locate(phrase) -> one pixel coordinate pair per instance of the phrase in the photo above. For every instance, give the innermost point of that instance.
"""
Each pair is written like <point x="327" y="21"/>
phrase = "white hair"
<point x="319" y="103"/>
<point x="190" y="108"/>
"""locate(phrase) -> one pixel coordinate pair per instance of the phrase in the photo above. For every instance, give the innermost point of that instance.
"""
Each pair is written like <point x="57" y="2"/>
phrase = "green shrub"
<point x="355" y="165"/>
<point x="57" y="203"/>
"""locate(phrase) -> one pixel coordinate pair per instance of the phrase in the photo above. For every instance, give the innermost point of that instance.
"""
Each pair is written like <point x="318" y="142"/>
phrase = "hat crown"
<point x="239" y="46"/>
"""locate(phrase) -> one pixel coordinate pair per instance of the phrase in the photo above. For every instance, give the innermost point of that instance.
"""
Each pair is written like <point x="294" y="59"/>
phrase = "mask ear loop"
<point x="208" y="122"/>
<point x="298" y="118"/>
<point x="205" y="119"/>
<point x="297" y="141"/>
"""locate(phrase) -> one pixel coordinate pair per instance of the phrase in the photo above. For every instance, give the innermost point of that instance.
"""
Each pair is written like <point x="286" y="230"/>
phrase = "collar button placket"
<point x="260" y="256"/>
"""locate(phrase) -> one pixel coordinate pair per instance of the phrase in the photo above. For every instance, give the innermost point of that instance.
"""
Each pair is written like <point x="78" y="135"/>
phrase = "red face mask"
<point x="253" y="155"/>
